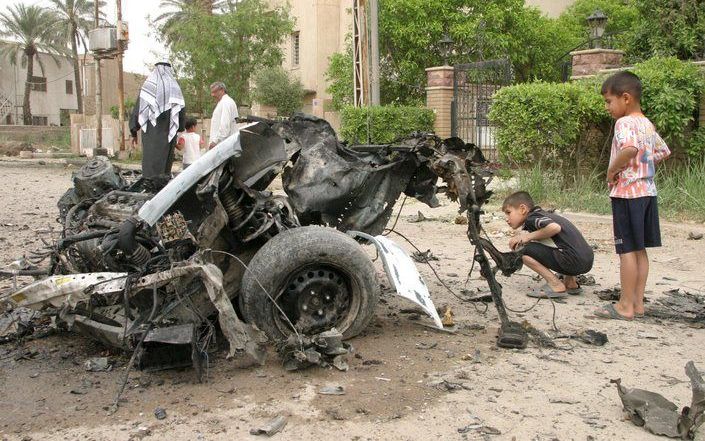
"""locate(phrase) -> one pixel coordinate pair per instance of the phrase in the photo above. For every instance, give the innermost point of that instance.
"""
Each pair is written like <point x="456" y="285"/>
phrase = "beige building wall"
<point x="46" y="105"/>
<point x="132" y="83"/>
<point x="321" y="26"/>
<point x="552" y="8"/>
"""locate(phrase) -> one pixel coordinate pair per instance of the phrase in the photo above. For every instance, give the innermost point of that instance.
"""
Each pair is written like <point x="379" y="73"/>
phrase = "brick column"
<point x="591" y="61"/>
<point x="439" y="94"/>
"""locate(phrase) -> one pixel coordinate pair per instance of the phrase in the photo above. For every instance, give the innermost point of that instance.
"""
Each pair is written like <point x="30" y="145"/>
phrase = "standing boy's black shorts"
<point x="635" y="224"/>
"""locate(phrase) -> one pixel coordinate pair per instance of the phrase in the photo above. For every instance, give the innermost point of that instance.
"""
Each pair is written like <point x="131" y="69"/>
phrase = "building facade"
<point x="321" y="29"/>
<point x="132" y="83"/>
<point x="53" y="96"/>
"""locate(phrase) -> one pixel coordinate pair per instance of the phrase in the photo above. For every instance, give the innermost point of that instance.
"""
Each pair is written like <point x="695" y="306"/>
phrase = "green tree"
<point x="228" y="47"/>
<point x="277" y="88"/>
<point x="32" y="29"/>
<point x="669" y="28"/>
<point x="481" y="30"/>
<point x="340" y="78"/>
<point x="622" y="16"/>
<point x="177" y="11"/>
<point x="76" y="17"/>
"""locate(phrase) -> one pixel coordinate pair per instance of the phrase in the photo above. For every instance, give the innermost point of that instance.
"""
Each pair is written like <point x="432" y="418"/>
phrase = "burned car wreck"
<point x="145" y="265"/>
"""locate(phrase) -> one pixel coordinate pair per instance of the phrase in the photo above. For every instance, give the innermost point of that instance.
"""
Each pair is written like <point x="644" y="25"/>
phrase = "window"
<point x="69" y="87"/>
<point x="40" y="120"/>
<point x="295" y="49"/>
<point x="38" y="84"/>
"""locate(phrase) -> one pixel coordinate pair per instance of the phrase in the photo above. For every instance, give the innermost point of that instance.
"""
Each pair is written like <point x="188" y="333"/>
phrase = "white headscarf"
<point x="159" y="93"/>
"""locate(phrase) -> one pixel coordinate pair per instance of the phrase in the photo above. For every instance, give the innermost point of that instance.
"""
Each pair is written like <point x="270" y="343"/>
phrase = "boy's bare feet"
<point x="570" y="282"/>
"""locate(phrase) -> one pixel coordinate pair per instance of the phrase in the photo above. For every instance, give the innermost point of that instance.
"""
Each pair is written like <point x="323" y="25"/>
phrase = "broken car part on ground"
<point x="145" y="264"/>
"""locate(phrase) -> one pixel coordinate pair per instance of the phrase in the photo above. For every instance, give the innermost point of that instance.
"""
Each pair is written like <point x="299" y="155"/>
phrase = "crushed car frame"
<point x="143" y="264"/>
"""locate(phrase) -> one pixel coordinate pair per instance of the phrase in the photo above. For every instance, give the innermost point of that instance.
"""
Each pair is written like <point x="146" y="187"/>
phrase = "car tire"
<point x="320" y="278"/>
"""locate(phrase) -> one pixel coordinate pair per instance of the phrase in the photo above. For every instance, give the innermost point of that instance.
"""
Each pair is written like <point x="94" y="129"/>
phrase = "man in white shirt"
<point x="223" y="122"/>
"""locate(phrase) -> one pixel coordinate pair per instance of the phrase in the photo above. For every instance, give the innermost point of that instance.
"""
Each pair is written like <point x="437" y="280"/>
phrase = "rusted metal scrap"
<point x="661" y="416"/>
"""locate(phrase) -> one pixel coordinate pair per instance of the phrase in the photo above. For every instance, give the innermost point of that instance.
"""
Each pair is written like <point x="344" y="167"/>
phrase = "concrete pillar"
<point x="591" y="61"/>
<point x="439" y="94"/>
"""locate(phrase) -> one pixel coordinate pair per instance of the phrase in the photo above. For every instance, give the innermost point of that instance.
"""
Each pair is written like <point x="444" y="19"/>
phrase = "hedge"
<point x="385" y="124"/>
<point x="543" y="122"/>
<point x="549" y="122"/>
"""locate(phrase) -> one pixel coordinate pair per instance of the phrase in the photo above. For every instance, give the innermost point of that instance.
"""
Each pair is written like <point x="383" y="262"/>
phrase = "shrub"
<point x="670" y="96"/>
<point x="277" y="88"/>
<point x="129" y="104"/>
<point x="340" y="78"/>
<point x="543" y="122"/>
<point x="383" y="124"/>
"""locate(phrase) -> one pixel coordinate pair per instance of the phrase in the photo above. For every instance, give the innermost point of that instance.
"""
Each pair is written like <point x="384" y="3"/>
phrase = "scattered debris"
<point x="460" y="220"/>
<point x="332" y="390"/>
<point x="426" y="345"/>
<point x="270" y="428"/>
<point x="563" y="400"/>
<point x="419" y="218"/>
<point x="695" y="236"/>
<point x="447" y="317"/>
<point x="679" y="305"/>
<point x="609" y="294"/>
<point x="659" y="415"/>
<point x="589" y="336"/>
<point x="586" y="280"/>
<point x="423" y="256"/>
<point x="97" y="364"/>
<point x="324" y="349"/>
<point x="160" y="413"/>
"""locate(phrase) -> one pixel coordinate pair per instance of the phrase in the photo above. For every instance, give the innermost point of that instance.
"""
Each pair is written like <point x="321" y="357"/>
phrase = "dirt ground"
<point x="391" y="389"/>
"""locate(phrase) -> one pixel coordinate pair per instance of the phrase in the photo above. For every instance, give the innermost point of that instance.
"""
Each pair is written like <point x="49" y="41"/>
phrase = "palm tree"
<point x="178" y="11"/>
<point x="76" y="16"/>
<point x="32" y="29"/>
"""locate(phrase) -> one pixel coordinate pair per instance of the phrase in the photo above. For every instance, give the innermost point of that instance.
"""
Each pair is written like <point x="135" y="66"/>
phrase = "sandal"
<point x="608" y="311"/>
<point x="575" y="291"/>
<point x="546" y="292"/>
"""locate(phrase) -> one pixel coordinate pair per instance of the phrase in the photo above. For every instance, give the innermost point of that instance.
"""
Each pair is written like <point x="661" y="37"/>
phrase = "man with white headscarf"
<point x="159" y="112"/>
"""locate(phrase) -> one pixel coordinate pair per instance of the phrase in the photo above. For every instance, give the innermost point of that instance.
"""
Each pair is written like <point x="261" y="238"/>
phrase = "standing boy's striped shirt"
<point x="637" y="179"/>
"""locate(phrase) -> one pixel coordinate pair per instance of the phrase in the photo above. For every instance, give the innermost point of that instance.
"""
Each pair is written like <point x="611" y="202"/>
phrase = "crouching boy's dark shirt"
<point x="572" y="251"/>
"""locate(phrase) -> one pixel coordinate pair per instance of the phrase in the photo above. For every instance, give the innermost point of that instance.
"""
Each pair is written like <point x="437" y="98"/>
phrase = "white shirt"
<point x="191" y="147"/>
<point x="223" y="120"/>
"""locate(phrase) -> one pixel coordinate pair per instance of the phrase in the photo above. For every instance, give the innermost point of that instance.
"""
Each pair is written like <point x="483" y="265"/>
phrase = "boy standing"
<point x="552" y="243"/>
<point x="190" y="143"/>
<point x="636" y="149"/>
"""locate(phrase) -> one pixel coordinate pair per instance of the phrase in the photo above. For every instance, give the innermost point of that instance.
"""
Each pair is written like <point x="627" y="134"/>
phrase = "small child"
<point x="552" y="243"/>
<point x="190" y="142"/>
<point x="636" y="149"/>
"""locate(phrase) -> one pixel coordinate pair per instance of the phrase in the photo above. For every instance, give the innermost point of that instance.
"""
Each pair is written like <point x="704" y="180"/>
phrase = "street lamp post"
<point x="597" y="22"/>
<point x="446" y="46"/>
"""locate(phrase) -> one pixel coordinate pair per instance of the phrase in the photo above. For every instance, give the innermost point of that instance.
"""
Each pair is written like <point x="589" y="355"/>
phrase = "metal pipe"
<point x="121" y="91"/>
<point x="98" y="87"/>
<point x="374" y="53"/>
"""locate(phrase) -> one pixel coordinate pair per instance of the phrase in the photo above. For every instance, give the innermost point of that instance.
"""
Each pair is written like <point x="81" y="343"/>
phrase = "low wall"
<point x="42" y="135"/>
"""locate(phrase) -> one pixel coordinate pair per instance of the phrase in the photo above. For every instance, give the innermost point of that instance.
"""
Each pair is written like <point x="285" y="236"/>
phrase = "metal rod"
<point x="374" y="53"/>
<point x="121" y="91"/>
<point x="98" y="89"/>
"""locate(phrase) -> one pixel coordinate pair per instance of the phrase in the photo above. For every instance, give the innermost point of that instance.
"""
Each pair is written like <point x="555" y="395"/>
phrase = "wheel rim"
<point x="316" y="298"/>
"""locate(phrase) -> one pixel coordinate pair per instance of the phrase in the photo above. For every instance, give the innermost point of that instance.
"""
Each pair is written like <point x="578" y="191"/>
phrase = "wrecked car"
<point x="144" y="264"/>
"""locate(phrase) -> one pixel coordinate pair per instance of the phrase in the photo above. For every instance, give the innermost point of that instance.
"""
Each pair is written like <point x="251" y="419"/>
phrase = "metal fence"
<point x="473" y="87"/>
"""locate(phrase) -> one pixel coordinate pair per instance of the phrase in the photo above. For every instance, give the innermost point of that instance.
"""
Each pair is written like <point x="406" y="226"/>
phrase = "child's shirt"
<point x="637" y="180"/>
<point x="574" y="251"/>
<point x="192" y="147"/>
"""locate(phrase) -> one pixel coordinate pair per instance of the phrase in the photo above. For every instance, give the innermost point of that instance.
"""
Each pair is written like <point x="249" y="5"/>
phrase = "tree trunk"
<point x="26" y="110"/>
<point x="76" y="70"/>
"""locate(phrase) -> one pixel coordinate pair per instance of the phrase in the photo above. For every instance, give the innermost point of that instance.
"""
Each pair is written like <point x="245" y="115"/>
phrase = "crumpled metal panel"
<point x="333" y="185"/>
<point x="403" y="274"/>
<point x="68" y="289"/>
<point x="155" y="208"/>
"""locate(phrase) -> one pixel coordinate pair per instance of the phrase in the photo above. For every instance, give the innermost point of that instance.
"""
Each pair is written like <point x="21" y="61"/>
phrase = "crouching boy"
<point x="548" y="243"/>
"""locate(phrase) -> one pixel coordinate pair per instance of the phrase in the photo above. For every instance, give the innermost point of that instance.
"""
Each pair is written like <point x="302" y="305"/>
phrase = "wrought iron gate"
<point x="473" y="87"/>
